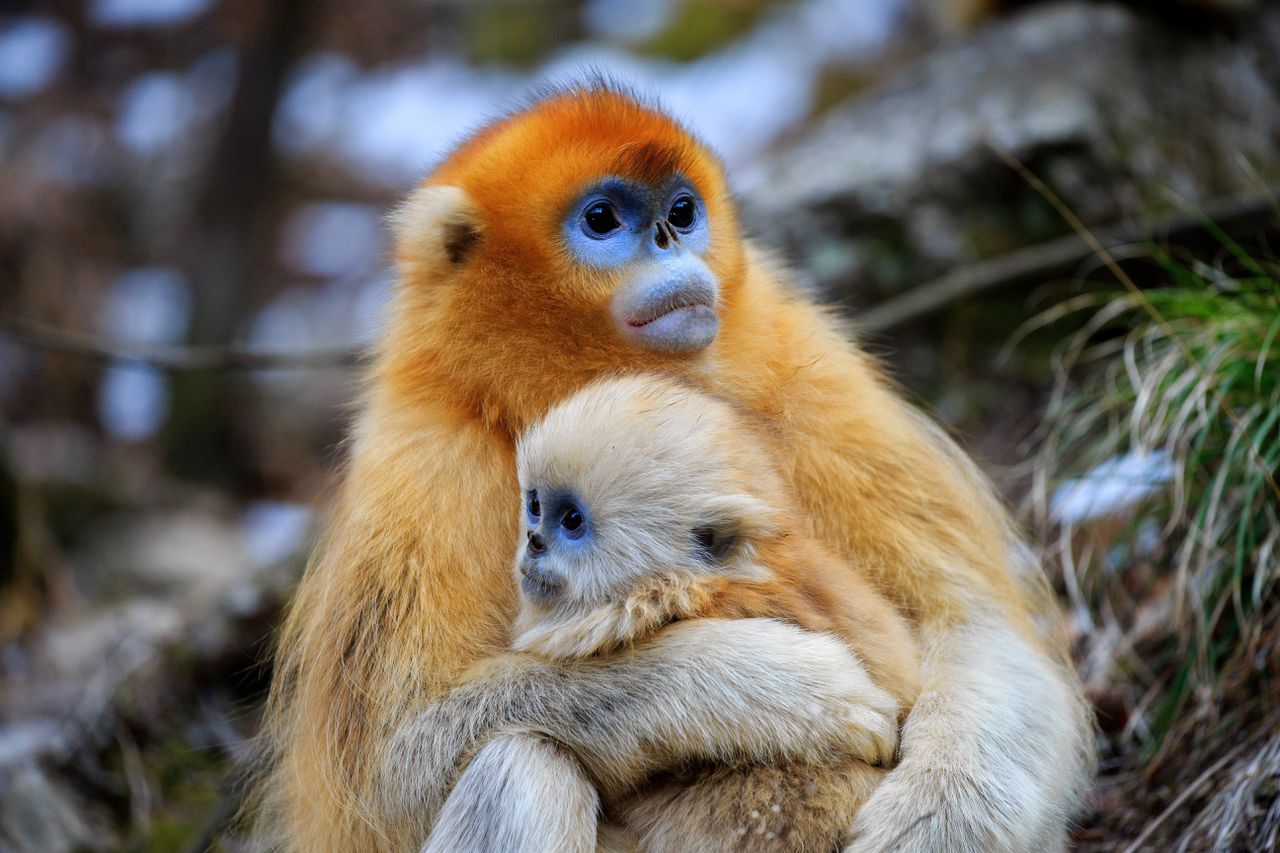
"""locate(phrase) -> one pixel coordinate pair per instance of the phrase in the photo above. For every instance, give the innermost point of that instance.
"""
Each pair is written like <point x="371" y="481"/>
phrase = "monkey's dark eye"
<point x="535" y="507"/>
<point x="601" y="218"/>
<point x="572" y="520"/>
<point x="705" y="537"/>
<point x="682" y="212"/>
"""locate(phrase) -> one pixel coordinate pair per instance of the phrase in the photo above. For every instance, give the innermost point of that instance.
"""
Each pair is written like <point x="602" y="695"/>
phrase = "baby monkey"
<point x="647" y="502"/>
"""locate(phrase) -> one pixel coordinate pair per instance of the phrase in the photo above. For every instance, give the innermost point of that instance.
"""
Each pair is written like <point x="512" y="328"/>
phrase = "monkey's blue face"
<point x="558" y="530"/>
<point x="655" y="237"/>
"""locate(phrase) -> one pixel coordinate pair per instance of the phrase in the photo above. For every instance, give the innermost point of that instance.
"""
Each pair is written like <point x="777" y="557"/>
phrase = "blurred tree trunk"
<point x="229" y="216"/>
<point x="230" y="233"/>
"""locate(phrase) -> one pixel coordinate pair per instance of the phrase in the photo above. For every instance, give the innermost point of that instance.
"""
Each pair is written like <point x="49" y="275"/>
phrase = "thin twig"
<point x="233" y="357"/>
<point x="1036" y="263"/>
<point x="1186" y="792"/>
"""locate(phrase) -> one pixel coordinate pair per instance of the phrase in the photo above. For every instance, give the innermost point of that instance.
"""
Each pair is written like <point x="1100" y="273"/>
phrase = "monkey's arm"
<point x="996" y="751"/>
<point x="709" y="690"/>
<point x="992" y="753"/>
<point x="653" y="604"/>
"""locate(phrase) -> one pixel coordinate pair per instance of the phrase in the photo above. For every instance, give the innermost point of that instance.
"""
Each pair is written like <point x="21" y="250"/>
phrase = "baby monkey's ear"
<point x="716" y="540"/>
<point x="734" y="523"/>
<point x="437" y="229"/>
<point x="746" y="515"/>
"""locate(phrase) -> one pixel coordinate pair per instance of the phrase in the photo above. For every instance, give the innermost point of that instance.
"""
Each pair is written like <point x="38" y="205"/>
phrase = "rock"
<point x="79" y="698"/>
<point x="1113" y="109"/>
<point x="39" y="815"/>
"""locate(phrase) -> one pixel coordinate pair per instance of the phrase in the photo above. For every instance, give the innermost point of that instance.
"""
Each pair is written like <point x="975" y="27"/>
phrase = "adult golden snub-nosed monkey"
<point x="584" y="236"/>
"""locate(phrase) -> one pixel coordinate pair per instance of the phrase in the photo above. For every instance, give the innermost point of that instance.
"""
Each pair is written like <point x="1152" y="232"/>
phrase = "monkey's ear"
<point x="437" y="229"/>
<point x="746" y="514"/>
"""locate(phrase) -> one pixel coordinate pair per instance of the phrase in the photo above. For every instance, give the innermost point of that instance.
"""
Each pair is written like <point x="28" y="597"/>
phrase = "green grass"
<point x="1176" y="594"/>
<point x="1191" y="369"/>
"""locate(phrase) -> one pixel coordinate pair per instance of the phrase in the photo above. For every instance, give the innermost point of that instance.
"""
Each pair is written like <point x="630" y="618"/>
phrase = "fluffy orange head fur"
<point x="504" y="278"/>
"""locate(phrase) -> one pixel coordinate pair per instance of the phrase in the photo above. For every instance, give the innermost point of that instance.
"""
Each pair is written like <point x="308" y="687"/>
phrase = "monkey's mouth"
<point x="670" y="310"/>
<point x="681" y="301"/>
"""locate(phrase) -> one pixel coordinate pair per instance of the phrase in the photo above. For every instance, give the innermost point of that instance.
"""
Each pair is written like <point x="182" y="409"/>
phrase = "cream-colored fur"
<point x="994" y="700"/>
<point x="546" y="803"/>
<point x="653" y="708"/>
<point x="653" y="460"/>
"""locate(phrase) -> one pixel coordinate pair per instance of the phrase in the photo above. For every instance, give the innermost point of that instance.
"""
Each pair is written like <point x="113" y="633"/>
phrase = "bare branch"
<point x="1045" y="260"/>
<point x="1032" y="264"/>
<point x="230" y="357"/>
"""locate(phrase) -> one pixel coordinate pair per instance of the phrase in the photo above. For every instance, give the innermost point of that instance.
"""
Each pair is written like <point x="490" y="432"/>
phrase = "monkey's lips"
<point x="682" y="301"/>
<point x="680" y="322"/>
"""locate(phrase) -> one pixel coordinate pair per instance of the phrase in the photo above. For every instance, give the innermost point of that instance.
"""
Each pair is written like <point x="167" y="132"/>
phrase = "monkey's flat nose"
<point x="537" y="546"/>
<point x="663" y="235"/>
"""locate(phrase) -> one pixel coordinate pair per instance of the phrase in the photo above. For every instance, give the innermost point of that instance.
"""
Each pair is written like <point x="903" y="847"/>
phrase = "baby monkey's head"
<point x="634" y="478"/>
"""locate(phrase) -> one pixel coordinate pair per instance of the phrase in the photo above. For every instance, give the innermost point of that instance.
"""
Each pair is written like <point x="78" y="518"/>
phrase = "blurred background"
<point x="193" y="254"/>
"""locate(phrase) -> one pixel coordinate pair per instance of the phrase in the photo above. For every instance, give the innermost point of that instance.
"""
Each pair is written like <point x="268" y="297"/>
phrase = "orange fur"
<point x="410" y="586"/>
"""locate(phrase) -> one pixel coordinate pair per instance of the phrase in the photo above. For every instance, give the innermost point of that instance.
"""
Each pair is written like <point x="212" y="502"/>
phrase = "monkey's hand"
<point x="722" y="691"/>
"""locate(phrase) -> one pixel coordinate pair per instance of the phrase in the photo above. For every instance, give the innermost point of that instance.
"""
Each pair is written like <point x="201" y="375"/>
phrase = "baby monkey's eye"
<point x="572" y="520"/>
<point x="682" y="212"/>
<point x="706" y="537"/>
<point x="535" y="507"/>
<point x="601" y="218"/>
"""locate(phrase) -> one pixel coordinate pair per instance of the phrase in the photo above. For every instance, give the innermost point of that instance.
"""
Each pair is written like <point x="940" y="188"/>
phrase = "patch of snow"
<point x="73" y="150"/>
<point x="626" y="20"/>
<point x="145" y="13"/>
<point x="158" y="109"/>
<point x="32" y="52"/>
<point x="274" y="531"/>
<point x="155" y="112"/>
<point x="26" y="741"/>
<point x="400" y="121"/>
<point x="133" y="400"/>
<point x="1112" y="487"/>
<point x="333" y="239"/>
<point x="148" y="305"/>
<point x="850" y="29"/>
<point x="393" y="121"/>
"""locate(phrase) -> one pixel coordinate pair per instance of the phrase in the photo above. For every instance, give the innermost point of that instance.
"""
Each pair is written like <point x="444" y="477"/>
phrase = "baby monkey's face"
<point x="554" y="531"/>
<point x="631" y="479"/>
<point x="578" y="552"/>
